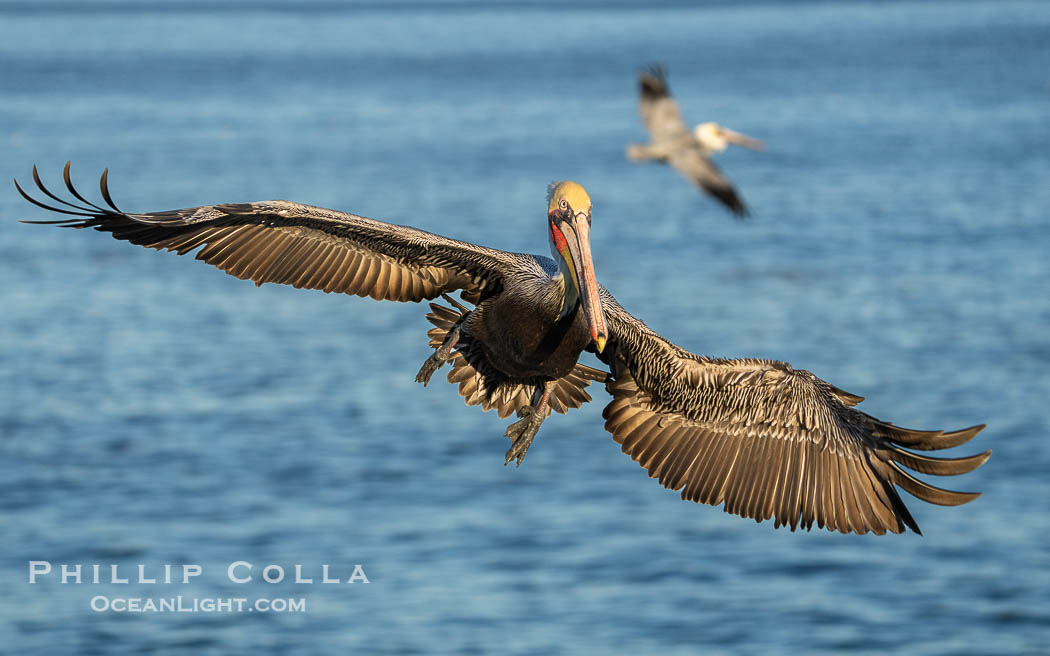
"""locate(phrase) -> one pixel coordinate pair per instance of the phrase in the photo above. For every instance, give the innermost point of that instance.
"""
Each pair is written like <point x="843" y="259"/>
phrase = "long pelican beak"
<point x="572" y="238"/>
<point x="743" y="140"/>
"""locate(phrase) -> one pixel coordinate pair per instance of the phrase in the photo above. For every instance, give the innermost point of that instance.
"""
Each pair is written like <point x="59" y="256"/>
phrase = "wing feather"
<point x="764" y="439"/>
<point x="751" y="501"/>
<point x="770" y="491"/>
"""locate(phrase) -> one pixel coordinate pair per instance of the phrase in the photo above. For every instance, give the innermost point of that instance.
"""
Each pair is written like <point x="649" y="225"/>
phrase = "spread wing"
<point x="766" y="440"/>
<point x="698" y="168"/>
<point x="659" y="110"/>
<point x="312" y="247"/>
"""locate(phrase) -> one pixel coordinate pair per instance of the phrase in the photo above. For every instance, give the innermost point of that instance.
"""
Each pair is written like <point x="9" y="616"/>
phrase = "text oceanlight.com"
<point x="180" y="604"/>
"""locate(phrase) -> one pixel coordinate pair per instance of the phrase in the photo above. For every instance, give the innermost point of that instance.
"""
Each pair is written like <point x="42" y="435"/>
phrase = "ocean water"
<point x="156" y="411"/>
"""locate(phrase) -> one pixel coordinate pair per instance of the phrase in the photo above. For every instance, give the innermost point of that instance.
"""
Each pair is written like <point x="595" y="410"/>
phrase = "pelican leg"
<point x="441" y="355"/>
<point x="522" y="432"/>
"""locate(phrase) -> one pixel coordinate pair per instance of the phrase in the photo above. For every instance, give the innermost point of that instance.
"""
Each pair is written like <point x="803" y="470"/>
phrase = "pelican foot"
<point x="521" y="433"/>
<point x="432" y="364"/>
<point x="440" y="356"/>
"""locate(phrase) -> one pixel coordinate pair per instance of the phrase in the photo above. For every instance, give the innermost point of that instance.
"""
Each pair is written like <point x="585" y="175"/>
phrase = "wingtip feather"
<point x="939" y="466"/>
<point x="103" y="184"/>
<point x="930" y="493"/>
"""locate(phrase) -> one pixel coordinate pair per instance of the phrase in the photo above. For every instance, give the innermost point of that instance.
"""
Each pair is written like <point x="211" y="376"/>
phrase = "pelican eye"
<point x="564" y="204"/>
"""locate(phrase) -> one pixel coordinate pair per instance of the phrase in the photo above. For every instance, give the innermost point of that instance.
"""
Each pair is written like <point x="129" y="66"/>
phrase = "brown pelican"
<point x="688" y="151"/>
<point x="767" y="440"/>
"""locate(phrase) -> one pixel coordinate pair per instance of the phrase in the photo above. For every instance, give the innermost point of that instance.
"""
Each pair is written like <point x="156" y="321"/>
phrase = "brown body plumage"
<point x="767" y="440"/>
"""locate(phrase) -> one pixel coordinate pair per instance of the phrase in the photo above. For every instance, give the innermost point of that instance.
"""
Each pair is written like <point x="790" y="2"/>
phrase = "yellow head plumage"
<point x="572" y="193"/>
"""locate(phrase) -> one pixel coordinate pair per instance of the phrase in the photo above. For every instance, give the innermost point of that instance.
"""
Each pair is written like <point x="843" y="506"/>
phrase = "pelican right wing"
<point x="767" y="440"/>
<point x="299" y="245"/>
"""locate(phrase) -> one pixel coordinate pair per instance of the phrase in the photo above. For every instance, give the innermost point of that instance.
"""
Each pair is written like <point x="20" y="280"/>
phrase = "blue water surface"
<point x="154" y="410"/>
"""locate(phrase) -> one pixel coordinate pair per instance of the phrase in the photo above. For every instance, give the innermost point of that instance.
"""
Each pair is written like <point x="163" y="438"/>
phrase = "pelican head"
<point x="715" y="138"/>
<point x="569" y="220"/>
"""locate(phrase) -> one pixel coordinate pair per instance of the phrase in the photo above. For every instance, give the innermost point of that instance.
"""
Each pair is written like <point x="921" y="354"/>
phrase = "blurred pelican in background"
<point x="689" y="151"/>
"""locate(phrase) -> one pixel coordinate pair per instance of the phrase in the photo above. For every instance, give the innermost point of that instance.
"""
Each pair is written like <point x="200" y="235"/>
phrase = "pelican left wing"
<point x="300" y="245"/>
<point x="767" y="440"/>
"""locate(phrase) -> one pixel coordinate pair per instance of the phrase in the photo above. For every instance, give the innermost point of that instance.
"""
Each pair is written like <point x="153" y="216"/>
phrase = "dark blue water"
<point x="154" y="410"/>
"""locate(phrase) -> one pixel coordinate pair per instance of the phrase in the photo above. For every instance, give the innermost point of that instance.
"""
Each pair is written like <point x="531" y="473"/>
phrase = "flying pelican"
<point x="688" y="151"/>
<point x="767" y="440"/>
